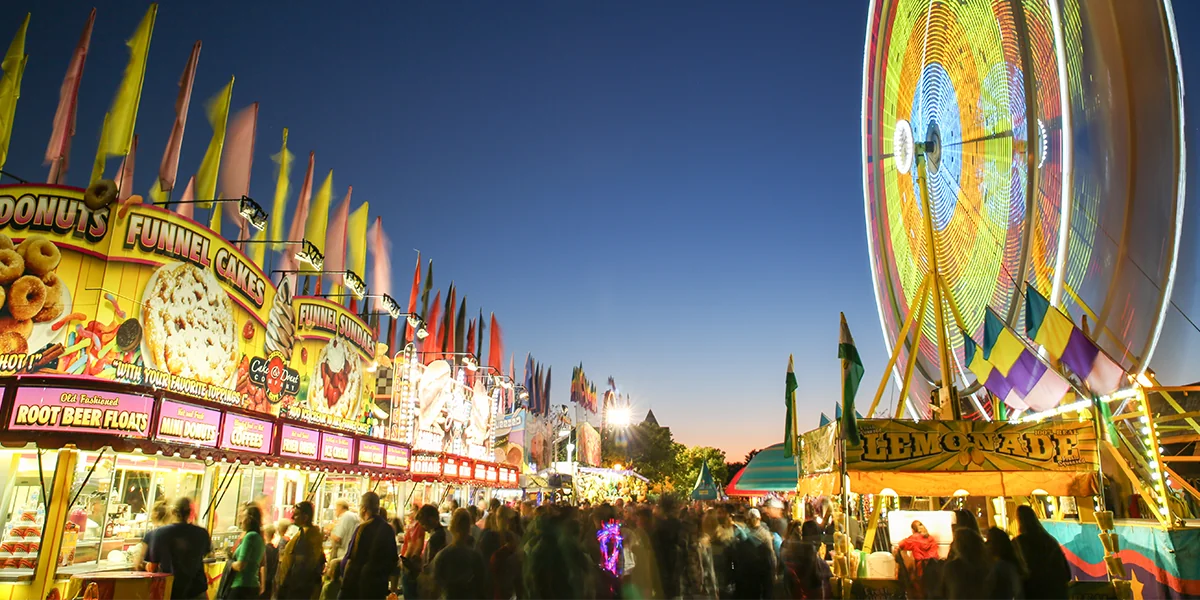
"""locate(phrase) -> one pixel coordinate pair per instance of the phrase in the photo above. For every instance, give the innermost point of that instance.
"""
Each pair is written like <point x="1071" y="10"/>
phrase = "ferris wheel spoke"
<point x="999" y="135"/>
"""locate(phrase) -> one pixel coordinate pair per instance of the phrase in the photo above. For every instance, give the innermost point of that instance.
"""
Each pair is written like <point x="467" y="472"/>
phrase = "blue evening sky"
<point x="668" y="192"/>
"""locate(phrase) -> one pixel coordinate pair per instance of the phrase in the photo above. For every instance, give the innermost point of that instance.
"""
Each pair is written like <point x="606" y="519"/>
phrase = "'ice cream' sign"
<point x="335" y="448"/>
<point x="54" y="409"/>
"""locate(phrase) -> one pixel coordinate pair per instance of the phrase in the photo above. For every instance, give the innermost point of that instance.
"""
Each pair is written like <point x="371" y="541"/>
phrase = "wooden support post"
<point x="56" y="522"/>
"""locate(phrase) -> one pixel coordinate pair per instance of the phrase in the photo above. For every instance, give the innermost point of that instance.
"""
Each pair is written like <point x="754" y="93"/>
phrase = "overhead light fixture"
<point x="252" y="212"/>
<point x="414" y="321"/>
<point x="390" y="305"/>
<point x="562" y="433"/>
<point x="524" y="395"/>
<point x="309" y="253"/>
<point x="422" y="333"/>
<point x="354" y="283"/>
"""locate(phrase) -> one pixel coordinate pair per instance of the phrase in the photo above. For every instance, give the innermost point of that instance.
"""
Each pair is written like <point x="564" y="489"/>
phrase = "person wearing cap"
<point x="773" y="516"/>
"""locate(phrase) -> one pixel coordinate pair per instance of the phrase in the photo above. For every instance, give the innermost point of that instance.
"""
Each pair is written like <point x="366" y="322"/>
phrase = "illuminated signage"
<point x="188" y="424"/>
<point x="81" y="411"/>
<point x="246" y="435"/>
<point x="398" y="457"/>
<point x="297" y="442"/>
<point x="336" y="448"/>
<point x="370" y="454"/>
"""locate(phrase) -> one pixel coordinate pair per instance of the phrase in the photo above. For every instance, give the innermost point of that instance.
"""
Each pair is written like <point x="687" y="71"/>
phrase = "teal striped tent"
<point x="706" y="488"/>
<point x="769" y="471"/>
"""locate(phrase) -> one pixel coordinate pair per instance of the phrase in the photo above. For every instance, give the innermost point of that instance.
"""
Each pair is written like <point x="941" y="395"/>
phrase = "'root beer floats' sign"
<point x="973" y="446"/>
<point x="141" y="295"/>
<point x="81" y="411"/>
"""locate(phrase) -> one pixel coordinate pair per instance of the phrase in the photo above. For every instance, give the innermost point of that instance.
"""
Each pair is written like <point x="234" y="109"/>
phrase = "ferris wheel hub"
<point x="933" y="146"/>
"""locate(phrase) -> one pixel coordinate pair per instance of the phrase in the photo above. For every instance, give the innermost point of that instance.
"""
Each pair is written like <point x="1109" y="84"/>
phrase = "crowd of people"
<point x="619" y="550"/>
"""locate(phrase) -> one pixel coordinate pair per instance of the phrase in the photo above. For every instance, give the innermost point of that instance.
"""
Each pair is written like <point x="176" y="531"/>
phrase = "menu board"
<point x="244" y="434"/>
<point x="464" y="470"/>
<point x="188" y="424"/>
<point x="398" y="457"/>
<point x="480" y="472"/>
<point x="80" y="411"/>
<point x="297" y="442"/>
<point x="336" y="448"/>
<point x="492" y="475"/>
<point x="370" y="454"/>
<point x="100" y="294"/>
<point x="450" y="467"/>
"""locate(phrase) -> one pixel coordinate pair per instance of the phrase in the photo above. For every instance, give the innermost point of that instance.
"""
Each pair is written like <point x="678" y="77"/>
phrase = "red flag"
<point x="335" y="239"/>
<point x="381" y="262"/>
<point x="236" y="160"/>
<point x="186" y="208"/>
<point x="68" y="101"/>
<point x="471" y="337"/>
<point x="496" y="347"/>
<point x="169" y="168"/>
<point x="410" y="333"/>
<point x="125" y="172"/>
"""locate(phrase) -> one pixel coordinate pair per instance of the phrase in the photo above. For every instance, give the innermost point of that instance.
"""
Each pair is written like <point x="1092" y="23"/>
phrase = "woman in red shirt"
<point x="923" y="548"/>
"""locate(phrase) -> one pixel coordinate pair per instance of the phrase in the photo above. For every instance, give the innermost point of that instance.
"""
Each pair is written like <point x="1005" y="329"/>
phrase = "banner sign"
<point x="141" y="295"/>
<point x="335" y="349"/>
<point x="336" y="448"/>
<point x="370" y="454"/>
<point x="426" y="465"/>
<point x="297" y="442"/>
<point x="81" y="411"/>
<point x="188" y="424"/>
<point x="398" y="457"/>
<point x="246" y="435"/>
<point x="973" y="446"/>
<point x="818" y="449"/>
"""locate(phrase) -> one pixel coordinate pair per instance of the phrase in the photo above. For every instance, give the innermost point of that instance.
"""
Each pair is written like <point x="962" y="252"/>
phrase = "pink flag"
<point x="381" y="265"/>
<point x="125" y="172"/>
<point x="189" y="194"/>
<point x="68" y="101"/>
<point x="237" y="158"/>
<point x="335" y="238"/>
<point x="296" y="231"/>
<point x="169" y="169"/>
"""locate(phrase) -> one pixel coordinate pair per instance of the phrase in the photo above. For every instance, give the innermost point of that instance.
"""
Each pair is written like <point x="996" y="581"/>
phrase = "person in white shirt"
<point x="345" y="522"/>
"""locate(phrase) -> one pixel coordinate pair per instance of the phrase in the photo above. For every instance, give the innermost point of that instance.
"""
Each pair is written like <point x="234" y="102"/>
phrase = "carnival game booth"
<point x="597" y="485"/>
<point x="906" y="470"/>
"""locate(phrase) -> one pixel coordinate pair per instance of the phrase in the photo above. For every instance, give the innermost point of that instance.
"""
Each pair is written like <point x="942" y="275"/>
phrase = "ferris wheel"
<point x="1014" y="143"/>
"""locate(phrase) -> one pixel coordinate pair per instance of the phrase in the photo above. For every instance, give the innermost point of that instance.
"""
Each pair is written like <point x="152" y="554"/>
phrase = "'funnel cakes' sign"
<point x="130" y="292"/>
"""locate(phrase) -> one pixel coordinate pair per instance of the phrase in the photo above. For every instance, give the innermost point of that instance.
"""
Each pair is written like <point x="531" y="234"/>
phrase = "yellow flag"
<point x="119" y="133"/>
<point x="206" y="177"/>
<point x="98" y="166"/>
<point x="10" y="87"/>
<point x="318" y="213"/>
<point x="356" y="241"/>
<point x="279" y="208"/>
